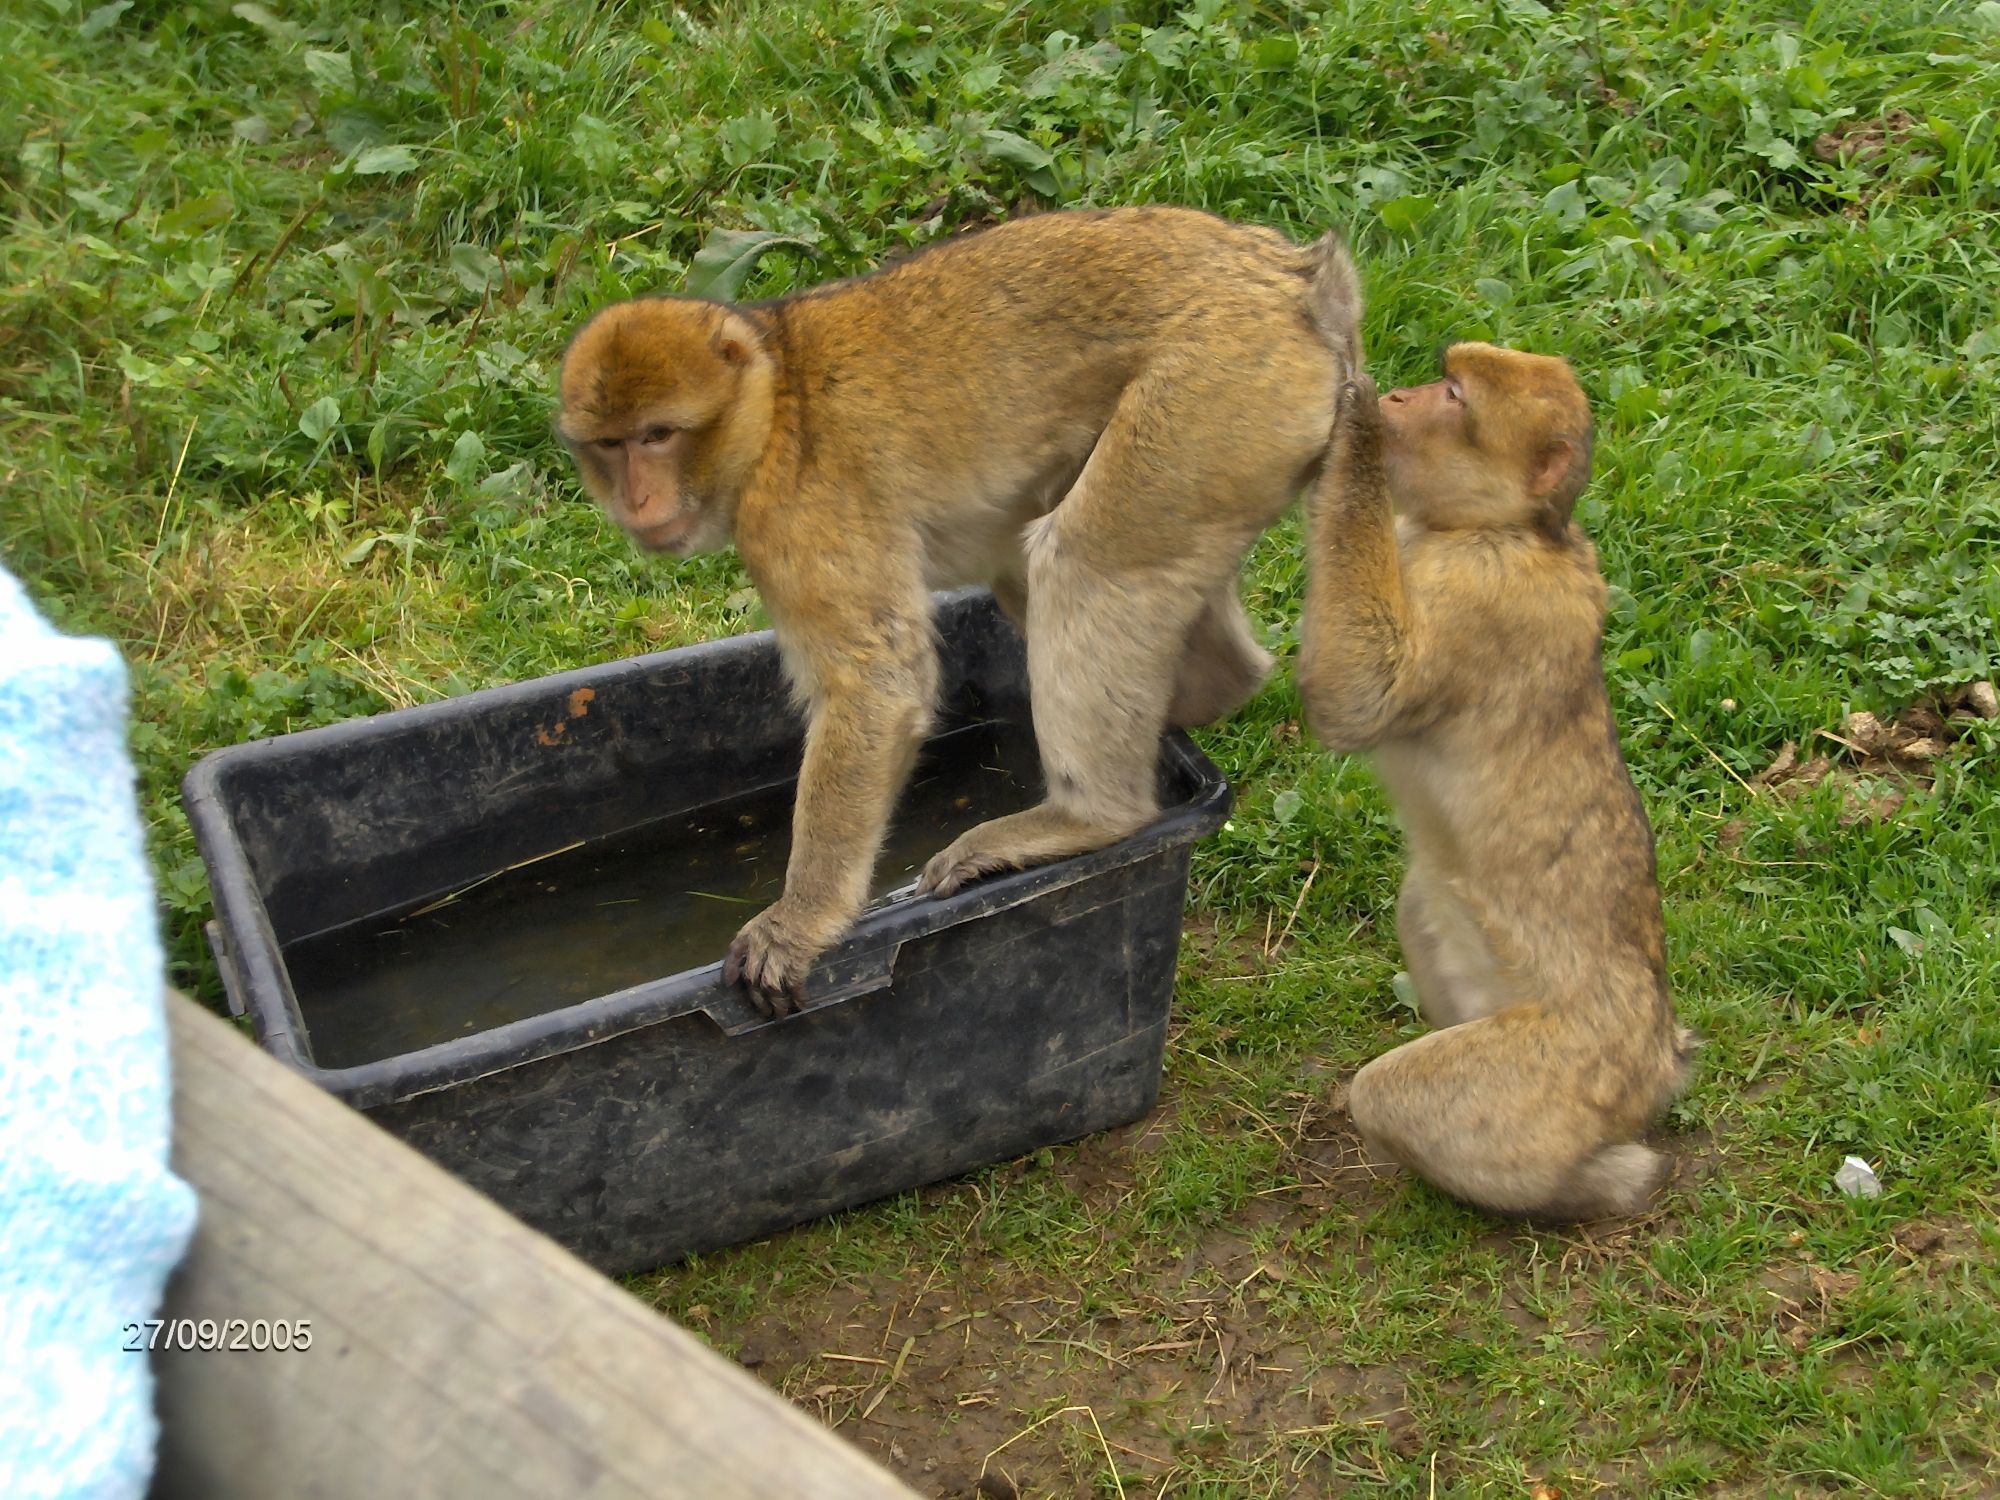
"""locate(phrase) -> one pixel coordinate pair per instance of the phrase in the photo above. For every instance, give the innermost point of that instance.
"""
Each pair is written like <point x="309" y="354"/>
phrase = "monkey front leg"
<point x="859" y="749"/>
<point x="1361" y="659"/>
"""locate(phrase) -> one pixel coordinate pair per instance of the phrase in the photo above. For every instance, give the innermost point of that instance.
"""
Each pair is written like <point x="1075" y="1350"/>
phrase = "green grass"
<point x="281" y="293"/>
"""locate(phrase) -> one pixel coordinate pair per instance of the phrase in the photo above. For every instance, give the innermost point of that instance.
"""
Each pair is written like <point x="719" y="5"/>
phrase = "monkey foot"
<point x="1014" y="843"/>
<point x="958" y="866"/>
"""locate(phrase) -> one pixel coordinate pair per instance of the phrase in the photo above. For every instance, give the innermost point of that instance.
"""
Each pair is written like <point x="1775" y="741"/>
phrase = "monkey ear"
<point x="1552" y="468"/>
<point x="1558" y="476"/>
<point x="734" y="341"/>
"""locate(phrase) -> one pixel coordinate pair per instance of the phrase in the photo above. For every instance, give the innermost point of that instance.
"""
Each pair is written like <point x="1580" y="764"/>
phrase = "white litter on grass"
<point x="1857" y="1179"/>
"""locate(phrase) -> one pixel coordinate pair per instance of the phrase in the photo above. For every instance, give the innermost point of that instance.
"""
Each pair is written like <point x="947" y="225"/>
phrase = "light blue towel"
<point x="91" y="1220"/>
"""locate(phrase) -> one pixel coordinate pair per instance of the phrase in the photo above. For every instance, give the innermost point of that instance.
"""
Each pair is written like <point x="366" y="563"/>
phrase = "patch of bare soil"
<point x="1929" y="1247"/>
<point x="1886" y="150"/>
<point x="1806" y="1300"/>
<point x="1866" y="140"/>
<point x="989" y="1378"/>
<point x="984" y="1377"/>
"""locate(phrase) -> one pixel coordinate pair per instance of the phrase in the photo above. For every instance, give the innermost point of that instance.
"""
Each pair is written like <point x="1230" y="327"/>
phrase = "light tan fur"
<point x="1459" y="640"/>
<point x="1094" y="412"/>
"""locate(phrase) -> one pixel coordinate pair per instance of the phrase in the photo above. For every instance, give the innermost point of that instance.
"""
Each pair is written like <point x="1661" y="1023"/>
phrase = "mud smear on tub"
<point x="598" y="917"/>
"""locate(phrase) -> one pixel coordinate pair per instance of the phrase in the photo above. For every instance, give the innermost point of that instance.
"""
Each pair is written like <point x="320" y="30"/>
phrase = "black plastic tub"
<point x="641" y="1114"/>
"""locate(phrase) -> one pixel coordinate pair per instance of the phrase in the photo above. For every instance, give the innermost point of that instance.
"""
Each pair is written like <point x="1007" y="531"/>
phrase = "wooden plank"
<point x="455" y="1352"/>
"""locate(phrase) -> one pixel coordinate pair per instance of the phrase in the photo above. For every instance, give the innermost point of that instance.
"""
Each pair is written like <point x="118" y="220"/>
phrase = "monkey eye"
<point x="610" y="445"/>
<point x="659" y="432"/>
<point x="1452" y="392"/>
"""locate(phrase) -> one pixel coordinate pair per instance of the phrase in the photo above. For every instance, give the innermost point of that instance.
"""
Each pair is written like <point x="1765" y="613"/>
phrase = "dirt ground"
<point x="932" y="1377"/>
<point x="929" y="1378"/>
<point x="1188" y="1374"/>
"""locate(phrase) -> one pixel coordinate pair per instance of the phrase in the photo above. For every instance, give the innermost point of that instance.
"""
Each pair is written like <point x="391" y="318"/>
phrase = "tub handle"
<point x="233" y="988"/>
<point x="860" y="967"/>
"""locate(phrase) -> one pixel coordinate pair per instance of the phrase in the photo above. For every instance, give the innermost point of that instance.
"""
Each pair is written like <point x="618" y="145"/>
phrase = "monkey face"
<point x="1501" y="438"/>
<point x="1422" y="415"/>
<point x="665" y="404"/>
<point x="640" y="477"/>
<point x="1430" y="454"/>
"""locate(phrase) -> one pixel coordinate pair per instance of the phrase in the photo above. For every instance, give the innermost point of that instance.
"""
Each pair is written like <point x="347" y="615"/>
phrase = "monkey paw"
<point x="1357" y="422"/>
<point x="958" y="866"/>
<point x="771" y="962"/>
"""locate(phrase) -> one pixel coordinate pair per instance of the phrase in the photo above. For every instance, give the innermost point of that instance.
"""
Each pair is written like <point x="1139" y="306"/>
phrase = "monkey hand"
<point x="770" y="956"/>
<point x="1357" y="403"/>
<point x="1357" y="427"/>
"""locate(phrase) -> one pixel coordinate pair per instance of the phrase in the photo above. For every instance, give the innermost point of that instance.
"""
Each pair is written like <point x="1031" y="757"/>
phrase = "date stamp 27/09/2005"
<point x="223" y="1334"/>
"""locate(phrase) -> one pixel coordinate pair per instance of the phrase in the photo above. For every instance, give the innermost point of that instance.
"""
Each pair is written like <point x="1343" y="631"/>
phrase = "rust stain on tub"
<point x="579" y="705"/>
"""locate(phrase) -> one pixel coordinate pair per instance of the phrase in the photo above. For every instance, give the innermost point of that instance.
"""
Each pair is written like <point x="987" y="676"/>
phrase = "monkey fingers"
<point x="771" y="969"/>
<point x="1357" y="412"/>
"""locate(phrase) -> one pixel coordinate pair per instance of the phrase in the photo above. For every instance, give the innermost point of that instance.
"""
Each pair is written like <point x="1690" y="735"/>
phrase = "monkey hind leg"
<point x="1493" y="1113"/>
<point x="1145" y="543"/>
<point x="1099" y="687"/>
<point x="1222" y="666"/>
<point x="1010" y="592"/>
<point x="1450" y="962"/>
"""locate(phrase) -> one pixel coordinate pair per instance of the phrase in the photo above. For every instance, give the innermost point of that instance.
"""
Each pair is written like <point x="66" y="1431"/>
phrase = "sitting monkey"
<point x="1459" y="640"/>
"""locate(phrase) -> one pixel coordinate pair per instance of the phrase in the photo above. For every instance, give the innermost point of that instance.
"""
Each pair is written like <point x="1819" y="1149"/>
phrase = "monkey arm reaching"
<point x="1363" y="661"/>
<point x="826" y="881"/>
<point x="858" y="747"/>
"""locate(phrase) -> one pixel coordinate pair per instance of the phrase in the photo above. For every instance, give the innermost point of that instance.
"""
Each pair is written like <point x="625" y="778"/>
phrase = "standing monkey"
<point x="1459" y="639"/>
<point x="1094" y="412"/>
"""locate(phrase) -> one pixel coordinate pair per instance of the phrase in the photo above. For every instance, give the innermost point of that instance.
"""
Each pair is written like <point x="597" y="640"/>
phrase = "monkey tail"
<point x="1622" y="1178"/>
<point x="1613" y="1181"/>
<point x="1337" y="300"/>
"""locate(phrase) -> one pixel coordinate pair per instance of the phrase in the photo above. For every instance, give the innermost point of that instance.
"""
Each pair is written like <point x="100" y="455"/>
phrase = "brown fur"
<point x="1459" y="640"/>
<point x="1096" y="413"/>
